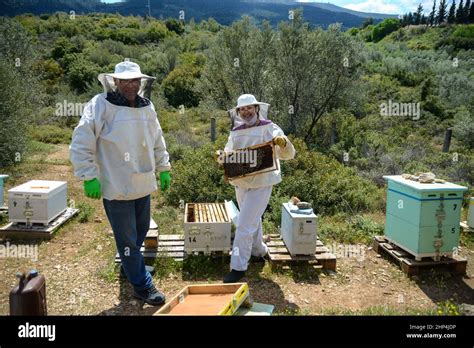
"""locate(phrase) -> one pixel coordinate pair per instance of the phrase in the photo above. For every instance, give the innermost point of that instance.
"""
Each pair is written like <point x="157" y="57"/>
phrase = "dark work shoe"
<point x="257" y="259"/>
<point x="151" y="296"/>
<point x="234" y="276"/>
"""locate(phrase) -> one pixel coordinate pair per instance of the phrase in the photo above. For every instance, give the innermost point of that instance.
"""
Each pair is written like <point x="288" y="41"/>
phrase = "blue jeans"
<point x="130" y="221"/>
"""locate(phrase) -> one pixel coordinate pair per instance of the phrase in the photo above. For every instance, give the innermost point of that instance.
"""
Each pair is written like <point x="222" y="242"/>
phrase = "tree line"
<point x="462" y="13"/>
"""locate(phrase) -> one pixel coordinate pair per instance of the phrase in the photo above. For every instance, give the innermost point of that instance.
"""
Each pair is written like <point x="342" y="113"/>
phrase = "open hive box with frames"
<point x="207" y="227"/>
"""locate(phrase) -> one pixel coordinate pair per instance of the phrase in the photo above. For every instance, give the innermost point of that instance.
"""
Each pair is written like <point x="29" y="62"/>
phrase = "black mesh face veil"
<point x="145" y="85"/>
<point x="237" y="121"/>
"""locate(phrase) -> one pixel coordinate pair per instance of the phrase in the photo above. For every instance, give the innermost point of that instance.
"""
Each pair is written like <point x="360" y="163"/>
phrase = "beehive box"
<point x="207" y="299"/>
<point x="423" y="219"/>
<point x="37" y="201"/>
<point x="207" y="227"/>
<point x="299" y="231"/>
<point x="2" y="178"/>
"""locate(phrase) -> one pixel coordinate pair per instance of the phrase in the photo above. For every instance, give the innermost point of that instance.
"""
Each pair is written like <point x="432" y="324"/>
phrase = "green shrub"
<point x="330" y="186"/>
<point x="61" y="47"/>
<point x="18" y="89"/>
<point x="464" y="127"/>
<point x="196" y="177"/>
<point x="81" y="72"/>
<point x="384" y="28"/>
<point x="465" y="43"/>
<point x="175" y="25"/>
<point x="464" y="31"/>
<point x="51" y="134"/>
<point x="357" y="229"/>
<point x="86" y="212"/>
<point x="178" y="86"/>
<point x="156" y="32"/>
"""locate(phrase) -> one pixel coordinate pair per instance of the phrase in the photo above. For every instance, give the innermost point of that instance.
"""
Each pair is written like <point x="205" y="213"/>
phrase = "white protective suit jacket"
<point x="121" y="146"/>
<point x="242" y="138"/>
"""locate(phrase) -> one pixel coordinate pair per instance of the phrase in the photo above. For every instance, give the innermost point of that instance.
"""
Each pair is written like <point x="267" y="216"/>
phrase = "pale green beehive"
<point x="423" y="219"/>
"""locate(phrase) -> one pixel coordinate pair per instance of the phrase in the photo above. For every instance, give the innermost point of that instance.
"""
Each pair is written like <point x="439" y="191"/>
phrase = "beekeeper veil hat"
<point x="127" y="70"/>
<point x="245" y="100"/>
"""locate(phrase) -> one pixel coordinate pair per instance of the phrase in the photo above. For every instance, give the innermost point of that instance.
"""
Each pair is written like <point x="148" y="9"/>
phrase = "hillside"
<point x="224" y="12"/>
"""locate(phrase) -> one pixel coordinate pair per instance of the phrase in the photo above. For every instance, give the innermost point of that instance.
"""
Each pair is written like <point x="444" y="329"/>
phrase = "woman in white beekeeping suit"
<point x="251" y="127"/>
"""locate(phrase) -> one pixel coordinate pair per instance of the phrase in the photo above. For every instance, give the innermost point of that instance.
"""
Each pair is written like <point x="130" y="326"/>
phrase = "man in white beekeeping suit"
<point x="253" y="192"/>
<point x="116" y="149"/>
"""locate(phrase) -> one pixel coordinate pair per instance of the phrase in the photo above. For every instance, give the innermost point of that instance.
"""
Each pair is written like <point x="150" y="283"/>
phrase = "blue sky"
<point x="380" y="6"/>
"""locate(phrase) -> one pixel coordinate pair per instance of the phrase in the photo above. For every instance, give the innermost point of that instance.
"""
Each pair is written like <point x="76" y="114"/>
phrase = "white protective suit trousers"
<point x="249" y="232"/>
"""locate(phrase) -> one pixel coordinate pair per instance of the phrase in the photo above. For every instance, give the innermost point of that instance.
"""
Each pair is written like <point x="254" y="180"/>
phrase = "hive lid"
<point x="298" y="213"/>
<point x="39" y="187"/>
<point x="425" y="187"/>
<point x="2" y="178"/>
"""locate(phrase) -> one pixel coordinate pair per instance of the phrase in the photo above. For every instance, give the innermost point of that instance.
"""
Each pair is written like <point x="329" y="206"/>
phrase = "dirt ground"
<point x="82" y="279"/>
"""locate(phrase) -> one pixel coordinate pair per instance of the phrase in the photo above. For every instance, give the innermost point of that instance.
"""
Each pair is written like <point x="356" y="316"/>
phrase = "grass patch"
<point x="110" y="272"/>
<point x="448" y="307"/>
<point x="50" y="134"/>
<point x="467" y="240"/>
<point x="378" y="310"/>
<point x="165" y="266"/>
<point x="356" y="229"/>
<point x="86" y="211"/>
<point x="204" y="267"/>
<point x="35" y="147"/>
<point x="169" y="219"/>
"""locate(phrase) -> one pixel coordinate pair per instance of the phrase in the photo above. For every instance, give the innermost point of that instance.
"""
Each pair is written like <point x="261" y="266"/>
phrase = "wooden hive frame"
<point x="261" y="171"/>
<point x="206" y="212"/>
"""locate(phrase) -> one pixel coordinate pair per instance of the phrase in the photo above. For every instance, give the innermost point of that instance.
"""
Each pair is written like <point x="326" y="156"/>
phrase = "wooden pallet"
<point x="279" y="253"/>
<point x="36" y="231"/>
<point x="169" y="246"/>
<point x="410" y="266"/>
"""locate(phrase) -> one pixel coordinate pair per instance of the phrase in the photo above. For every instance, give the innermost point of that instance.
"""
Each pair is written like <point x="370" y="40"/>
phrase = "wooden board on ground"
<point x="410" y="266"/>
<point x="153" y="226"/>
<point x="169" y="246"/>
<point x="279" y="253"/>
<point x="151" y="239"/>
<point x="37" y="231"/>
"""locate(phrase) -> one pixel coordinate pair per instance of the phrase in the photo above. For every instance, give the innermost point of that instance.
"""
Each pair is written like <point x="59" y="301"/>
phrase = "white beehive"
<point x="299" y="231"/>
<point x="37" y="201"/>
<point x="207" y="227"/>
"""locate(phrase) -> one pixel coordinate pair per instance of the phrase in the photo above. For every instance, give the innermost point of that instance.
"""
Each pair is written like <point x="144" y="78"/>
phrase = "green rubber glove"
<point x="165" y="180"/>
<point x="92" y="188"/>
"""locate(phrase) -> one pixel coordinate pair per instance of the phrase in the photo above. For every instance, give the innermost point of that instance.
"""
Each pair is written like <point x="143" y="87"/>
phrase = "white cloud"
<point x="377" y="6"/>
<point x="382" y="6"/>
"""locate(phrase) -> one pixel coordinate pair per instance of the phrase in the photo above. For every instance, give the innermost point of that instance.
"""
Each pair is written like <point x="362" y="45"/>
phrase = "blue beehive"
<point x="2" y="178"/>
<point x="423" y="219"/>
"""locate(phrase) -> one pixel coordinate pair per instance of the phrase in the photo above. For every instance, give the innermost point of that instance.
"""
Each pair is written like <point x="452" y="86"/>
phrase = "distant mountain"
<point x="326" y="6"/>
<point x="223" y="11"/>
<point x="335" y="8"/>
